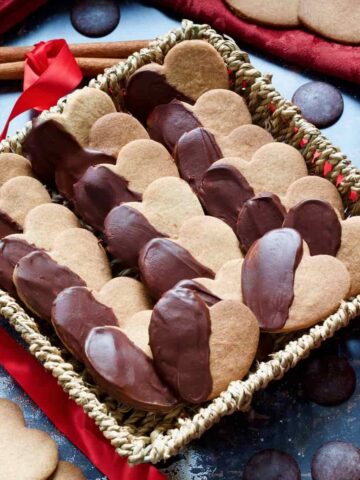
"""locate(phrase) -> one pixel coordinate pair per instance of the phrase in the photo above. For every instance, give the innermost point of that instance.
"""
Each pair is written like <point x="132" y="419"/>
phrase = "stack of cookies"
<point x="219" y="229"/>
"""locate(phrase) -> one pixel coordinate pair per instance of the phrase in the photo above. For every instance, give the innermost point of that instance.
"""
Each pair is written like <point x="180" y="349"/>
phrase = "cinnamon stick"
<point x="82" y="50"/>
<point x="90" y="67"/>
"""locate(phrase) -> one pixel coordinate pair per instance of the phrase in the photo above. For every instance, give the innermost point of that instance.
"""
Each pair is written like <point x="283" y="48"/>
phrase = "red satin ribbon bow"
<point x="50" y="72"/>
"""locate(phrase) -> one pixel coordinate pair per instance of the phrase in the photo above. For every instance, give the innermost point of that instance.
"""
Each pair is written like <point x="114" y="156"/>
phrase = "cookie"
<point x="93" y="18"/>
<point x="160" y="214"/>
<point x="320" y="103"/>
<point x="334" y="19"/>
<point x="76" y="310"/>
<point x="19" y="444"/>
<point x="13" y="165"/>
<point x="293" y="286"/>
<point x="222" y="340"/>
<point x="197" y="150"/>
<point x="67" y="471"/>
<point x="267" y="12"/>
<point x="221" y="111"/>
<point x="76" y="259"/>
<point x="17" y="197"/>
<point x="190" y="69"/>
<point x="203" y="245"/>
<point x="103" y="187"/>
<point x="113" y="131"/>
<point x="349" y="251"/>
<point x="41" y="227"/>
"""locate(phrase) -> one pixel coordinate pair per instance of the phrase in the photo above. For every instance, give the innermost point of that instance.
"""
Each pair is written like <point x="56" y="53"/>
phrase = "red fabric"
<point x="50" y="73"/>
<point x="13" y="11"/>
<point x="296" y="45"/>
<point x="68" y="417"/>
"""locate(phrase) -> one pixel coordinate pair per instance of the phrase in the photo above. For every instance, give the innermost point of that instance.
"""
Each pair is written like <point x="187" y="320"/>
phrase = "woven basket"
<point x="152" y="437"/>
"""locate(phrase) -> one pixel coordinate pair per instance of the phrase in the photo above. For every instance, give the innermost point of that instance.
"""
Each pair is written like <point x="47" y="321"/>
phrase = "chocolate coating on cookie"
<point x="194" y="154"/>
<point x="163" y="263"/>
<point x="127" y="231"/>
<point x="8" y="226"/>
<point x="147" y="88"/>
<point x="268" y="273"/>
<point x="179" y="335"/>
<point x="11" y="251"/>
<point x="75" y="312"/>
<point x="98" y="191"/>
<point x="258" y="216"/>
<point x="318" y="224"/>
<point x="39" y="279"/>
<point x="167" y="123"/>
<point x="223" y="191"/>
<point x="206" y="296"/>
<point x="124" y="371"/>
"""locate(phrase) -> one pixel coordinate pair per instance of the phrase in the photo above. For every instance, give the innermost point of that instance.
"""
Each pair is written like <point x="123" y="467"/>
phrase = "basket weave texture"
<point x="152" y="437"/>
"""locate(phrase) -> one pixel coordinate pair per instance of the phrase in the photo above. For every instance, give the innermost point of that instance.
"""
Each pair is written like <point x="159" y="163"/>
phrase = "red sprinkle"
<point x="327" y="167"/>
<point x="303" y="142"/>
<point x="272" y="107"/>
<point x="339" y="179"/>
<point x="353" y="196"/>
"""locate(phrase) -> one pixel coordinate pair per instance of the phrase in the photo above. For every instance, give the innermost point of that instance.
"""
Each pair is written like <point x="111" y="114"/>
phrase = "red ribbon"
<point x="50" y="72"/>
<point x="68" y="417"/>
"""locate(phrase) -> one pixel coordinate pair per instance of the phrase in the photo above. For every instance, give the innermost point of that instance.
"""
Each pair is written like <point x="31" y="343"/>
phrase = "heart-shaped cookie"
<point x="199" y="350"/>
<point x="82" y="109"/>
<point x="153" y="84"/>
<point x="25" y="453"/>
<point x="221" y="111"/>
<point x="76" y="259"/>
<point x="287" y="289"/>
<point x="103" y="187"/>
<point x="198" y="149"/>
<point x="203" y="245"/>
<point x="13" y="165"/>
<point x="267" y="12"/>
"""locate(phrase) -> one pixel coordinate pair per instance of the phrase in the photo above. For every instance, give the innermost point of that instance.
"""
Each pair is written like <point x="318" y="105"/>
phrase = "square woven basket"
<point x="152" y="437"/>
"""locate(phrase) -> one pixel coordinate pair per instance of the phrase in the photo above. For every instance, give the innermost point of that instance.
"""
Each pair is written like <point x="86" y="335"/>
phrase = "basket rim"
<point x="163" y="442"/>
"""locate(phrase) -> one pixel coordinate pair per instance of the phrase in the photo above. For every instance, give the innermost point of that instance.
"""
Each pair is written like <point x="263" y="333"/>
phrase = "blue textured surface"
<point x="281" y="417"/>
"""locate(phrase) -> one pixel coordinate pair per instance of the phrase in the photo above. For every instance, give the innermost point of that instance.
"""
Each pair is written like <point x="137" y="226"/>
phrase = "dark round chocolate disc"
<point x="320" y="103"/>
<point x="328" y="380"/>
<point x="95" y="18"/>
<point x="271" y="465"/>
<point x="336" y="461"/>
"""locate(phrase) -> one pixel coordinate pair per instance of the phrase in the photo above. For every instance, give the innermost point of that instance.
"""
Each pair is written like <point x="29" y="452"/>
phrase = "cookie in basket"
<point x="203" y="245"/>
<point x="190" y="69"/>
<point x="167" y="203"/>
<point x="221" y="111"/>
<point x="75" y="259"/>
<point x="41" y="227"/>
<point x="286" y="288"/>
<point x="105" y="186"/>
<point x="198" y="149"/>
<point x="25" y="452"/>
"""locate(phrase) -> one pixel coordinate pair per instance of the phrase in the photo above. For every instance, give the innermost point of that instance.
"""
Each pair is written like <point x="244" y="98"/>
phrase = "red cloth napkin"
<point x="13" y="11"/>
<point x="296" y="45"/>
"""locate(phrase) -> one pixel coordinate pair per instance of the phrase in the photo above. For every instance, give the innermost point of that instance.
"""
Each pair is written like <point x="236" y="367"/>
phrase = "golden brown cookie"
<point x="227" y="282"/>
<point x="18" y="444"/>
<point x="275" y="13"/>
<point x="67" y="471"/>
<point x="113" y="131"/>
<point x="349" y="252"/>
<point x="13" y="165"/>
<point x="335" y="19"/>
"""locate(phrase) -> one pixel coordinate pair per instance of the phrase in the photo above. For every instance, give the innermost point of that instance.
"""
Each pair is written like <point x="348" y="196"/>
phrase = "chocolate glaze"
<point x="267" y="278"/>
<point x="318" y="224"/>
<point x="223" y="191"/>
<point x="75" y="312"/>
<point x="122" y="370"/>
<point x="147" y="88"/>
<point x="55" y="152"/>
<point x="163" y="263"/>
<point x="127" y="231"/>
<point x="258" y="216"/>
<point x="39" y="279"/>
<point x="11" y="251"/>
<point x="98" y="191"/>
<point x="194" y="153"/>
<point x="167" y="123"/>
<point x="206" y="296"/>
<point x="179" y="333"/>
<point x="8" y="226"/>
